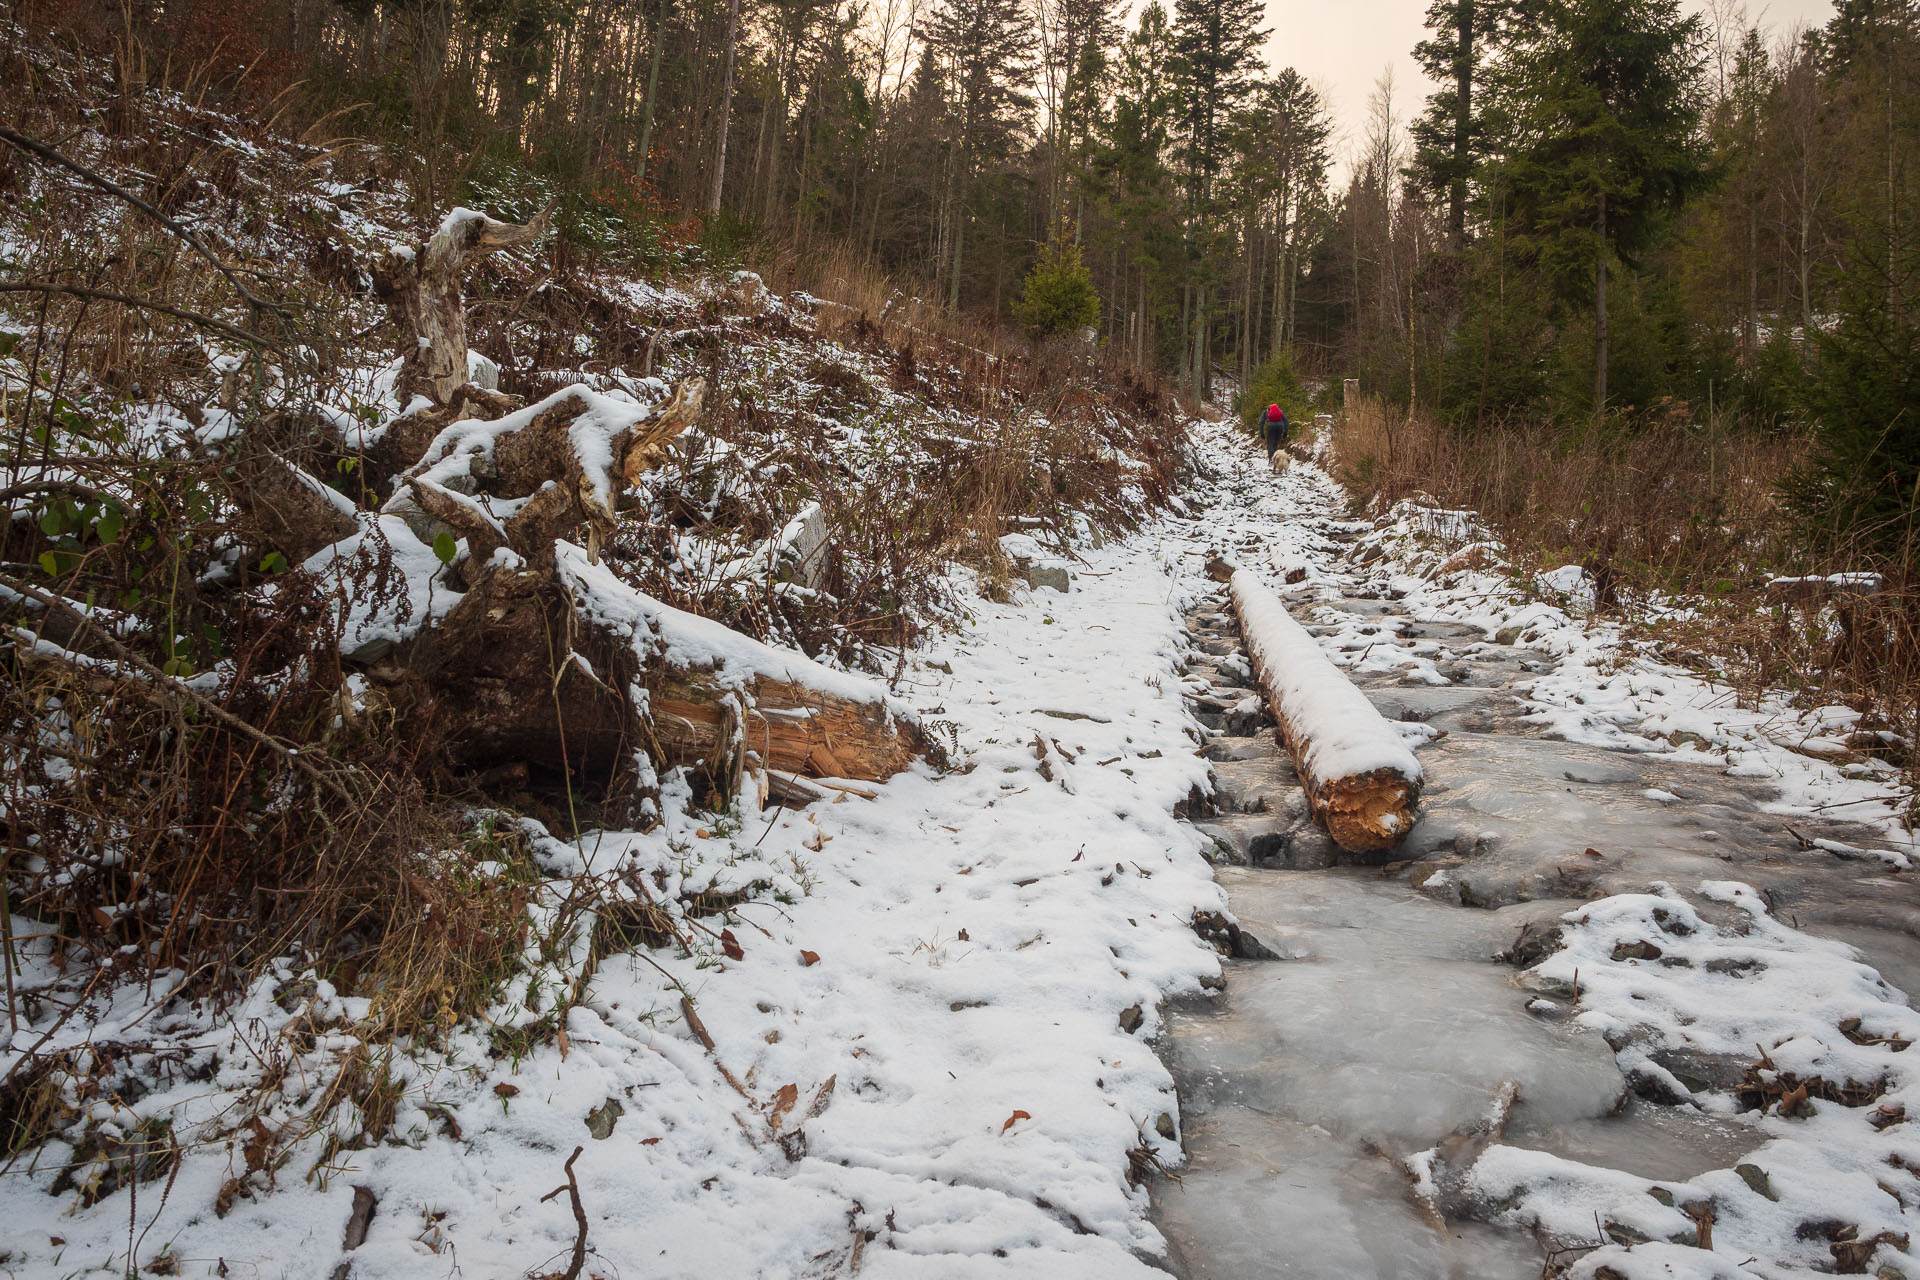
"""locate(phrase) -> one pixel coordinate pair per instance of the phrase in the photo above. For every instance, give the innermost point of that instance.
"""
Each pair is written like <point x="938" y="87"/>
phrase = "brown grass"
<point x="1663" y="514"/>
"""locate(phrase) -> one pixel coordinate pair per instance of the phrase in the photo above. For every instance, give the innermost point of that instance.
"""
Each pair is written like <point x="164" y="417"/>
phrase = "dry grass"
<point x="1663" y="514"/>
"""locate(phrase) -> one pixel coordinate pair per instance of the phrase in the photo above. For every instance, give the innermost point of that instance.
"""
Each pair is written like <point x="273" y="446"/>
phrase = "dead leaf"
<point x="825" y="1095"/>
<point x="809" y="958"/>
<point x="505" y="1090"/>
<point x="566" y="1045"/>
<point x="1015" y="1118"/>
<point x="1595" y="853"/>
<point x="731" y="945"/>
<point x="783" y="1099"/>
<point x="703" y="834"/>
<point x="647" y="1142"/>
<point x="964" y="937"/>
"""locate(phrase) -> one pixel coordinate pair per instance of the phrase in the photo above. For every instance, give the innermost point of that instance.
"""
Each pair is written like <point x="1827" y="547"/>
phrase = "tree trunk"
<point x="653" y="85"/>
<point x="544" y="662"/>
<point x="1462" y="125"/>
<point x="1600" y="318"/>
<point x="726" y="112"/>
<point x="1362" y="782"/>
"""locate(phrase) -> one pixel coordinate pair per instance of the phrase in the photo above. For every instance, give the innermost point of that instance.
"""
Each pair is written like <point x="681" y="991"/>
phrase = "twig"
<point x="179" y="313"/>
<point x="572" y="1188"/>
<point x="158" y="681"/>
<point x="47" y="153"/>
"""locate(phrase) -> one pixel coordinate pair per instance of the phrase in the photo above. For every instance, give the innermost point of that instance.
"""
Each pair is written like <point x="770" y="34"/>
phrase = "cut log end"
<point x="1370" y="813"/>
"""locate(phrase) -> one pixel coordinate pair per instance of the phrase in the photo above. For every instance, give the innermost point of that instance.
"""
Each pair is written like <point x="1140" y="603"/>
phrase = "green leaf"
<point x="179" y="668"/>
<point x="110" y="525"/>
<point x="445" y="547"/>
<point x="50" y="563"/>
<point x="51" y="522"/>
<point x="273" y="562"/>
<point x="131" y="600"/>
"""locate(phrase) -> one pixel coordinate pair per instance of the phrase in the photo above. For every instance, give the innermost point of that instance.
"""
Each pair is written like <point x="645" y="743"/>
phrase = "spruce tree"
<point x="1607" y="101"/>
<point x="987" y="47"/>
<point x="1451" y="136"/>
<point x="1216" y="44"/>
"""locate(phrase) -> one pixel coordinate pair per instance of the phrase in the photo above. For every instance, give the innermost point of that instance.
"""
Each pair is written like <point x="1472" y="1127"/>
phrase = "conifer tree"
<point x="1607" y="100"/>
<point x="1217" y="68"/>
<point x="987" y="47"/>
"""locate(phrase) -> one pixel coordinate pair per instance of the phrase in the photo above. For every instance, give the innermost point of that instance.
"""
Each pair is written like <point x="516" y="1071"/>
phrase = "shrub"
<point x="1059" y="296"/>
<point x="1274" y="382"/>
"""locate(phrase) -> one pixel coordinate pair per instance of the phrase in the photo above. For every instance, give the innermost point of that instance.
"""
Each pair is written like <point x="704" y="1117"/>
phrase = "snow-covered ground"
<point x="921" y="1046"/>
<point x="938" y="1021"/>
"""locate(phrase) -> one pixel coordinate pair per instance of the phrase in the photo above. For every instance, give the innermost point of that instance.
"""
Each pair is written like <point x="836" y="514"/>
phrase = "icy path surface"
<point x="938" y="1023"/>
<point x="1541" y="1036"/>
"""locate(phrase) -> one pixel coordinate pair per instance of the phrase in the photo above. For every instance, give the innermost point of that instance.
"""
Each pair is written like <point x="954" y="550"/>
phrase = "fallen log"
<point x="544" y="662"/>
<point x="1361" y="780"/>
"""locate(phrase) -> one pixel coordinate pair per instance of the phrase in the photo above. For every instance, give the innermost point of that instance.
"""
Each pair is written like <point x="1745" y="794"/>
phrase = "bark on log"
<point x="794" y="728"/>
<point x="1361" y="780"/>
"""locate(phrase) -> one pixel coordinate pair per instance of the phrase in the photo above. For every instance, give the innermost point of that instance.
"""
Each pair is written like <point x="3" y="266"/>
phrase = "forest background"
<point x="1638" y="285"/>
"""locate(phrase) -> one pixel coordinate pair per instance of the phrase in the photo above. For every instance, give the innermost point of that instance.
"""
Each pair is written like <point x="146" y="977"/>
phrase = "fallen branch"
<point x="164" y="688"/>
<point x="147" y="304"/>
<point x="572" y="1188"/>
<point x="35" y="147"/>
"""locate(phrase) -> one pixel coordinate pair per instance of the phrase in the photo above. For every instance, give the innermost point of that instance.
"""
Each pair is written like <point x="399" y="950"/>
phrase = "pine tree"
<point x="1608" y="101"/>
<point x="1217" y="67"/>
<point x="987" y="48"/>
<point x="1450" y="137"/>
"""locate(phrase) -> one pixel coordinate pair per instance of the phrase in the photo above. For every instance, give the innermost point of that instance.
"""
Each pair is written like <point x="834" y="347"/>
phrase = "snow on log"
<point x="800" y="716"/>
<point x="1362" y="780"/>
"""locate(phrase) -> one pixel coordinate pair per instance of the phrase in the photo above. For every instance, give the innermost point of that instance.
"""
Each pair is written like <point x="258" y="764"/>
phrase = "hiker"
<point x="1276" y="430"/>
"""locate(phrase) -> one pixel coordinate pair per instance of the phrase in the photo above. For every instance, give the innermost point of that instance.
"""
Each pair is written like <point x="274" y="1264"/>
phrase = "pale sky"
<point x="1342" y="46"/>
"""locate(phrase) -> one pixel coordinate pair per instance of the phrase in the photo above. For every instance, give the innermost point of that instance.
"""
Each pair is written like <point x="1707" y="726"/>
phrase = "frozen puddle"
<point x="1384" y="1031"/>
<point x="1383" y="1025"/>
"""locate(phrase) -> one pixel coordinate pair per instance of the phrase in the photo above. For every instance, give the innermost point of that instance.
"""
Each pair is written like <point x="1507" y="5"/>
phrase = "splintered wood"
<point x="1362" y="781"/>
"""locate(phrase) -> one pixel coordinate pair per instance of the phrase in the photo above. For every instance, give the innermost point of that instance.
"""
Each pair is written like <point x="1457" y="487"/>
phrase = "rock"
<point x="1221" y="569"/>
<point x="1247" y="838"/>
<point x="1049" y="575"/>
<point x="1254" y="786"/>
<point x="1508" y="635"/>
<point x="1702" y="1072"/>
<point x="601" y="1119"/>
<point x="804" y="557"/>
<point x="748" y="293"/>
<point x="1641" y="950"/>
<point x="1164" y="1126"/>
<point x="1308" y="848"/>
<point x="1248" y="947"/>
<point x="1438" y="879"/>
<point x="1538" y="939"/>
<point x="1233" y="748"/>
<point x="1756" y="1178"/>
<point x="1130" y="1018"/>
<point x="1246" y="717"/>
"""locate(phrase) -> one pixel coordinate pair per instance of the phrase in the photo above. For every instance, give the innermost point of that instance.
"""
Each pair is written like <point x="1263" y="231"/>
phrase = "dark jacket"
<point x="1276" y="433"/>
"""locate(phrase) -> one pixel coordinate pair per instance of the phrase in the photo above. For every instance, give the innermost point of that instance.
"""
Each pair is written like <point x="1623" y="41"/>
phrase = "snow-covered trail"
<point x="925" y="1043"/>
<point x="1389" y="1099"/>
